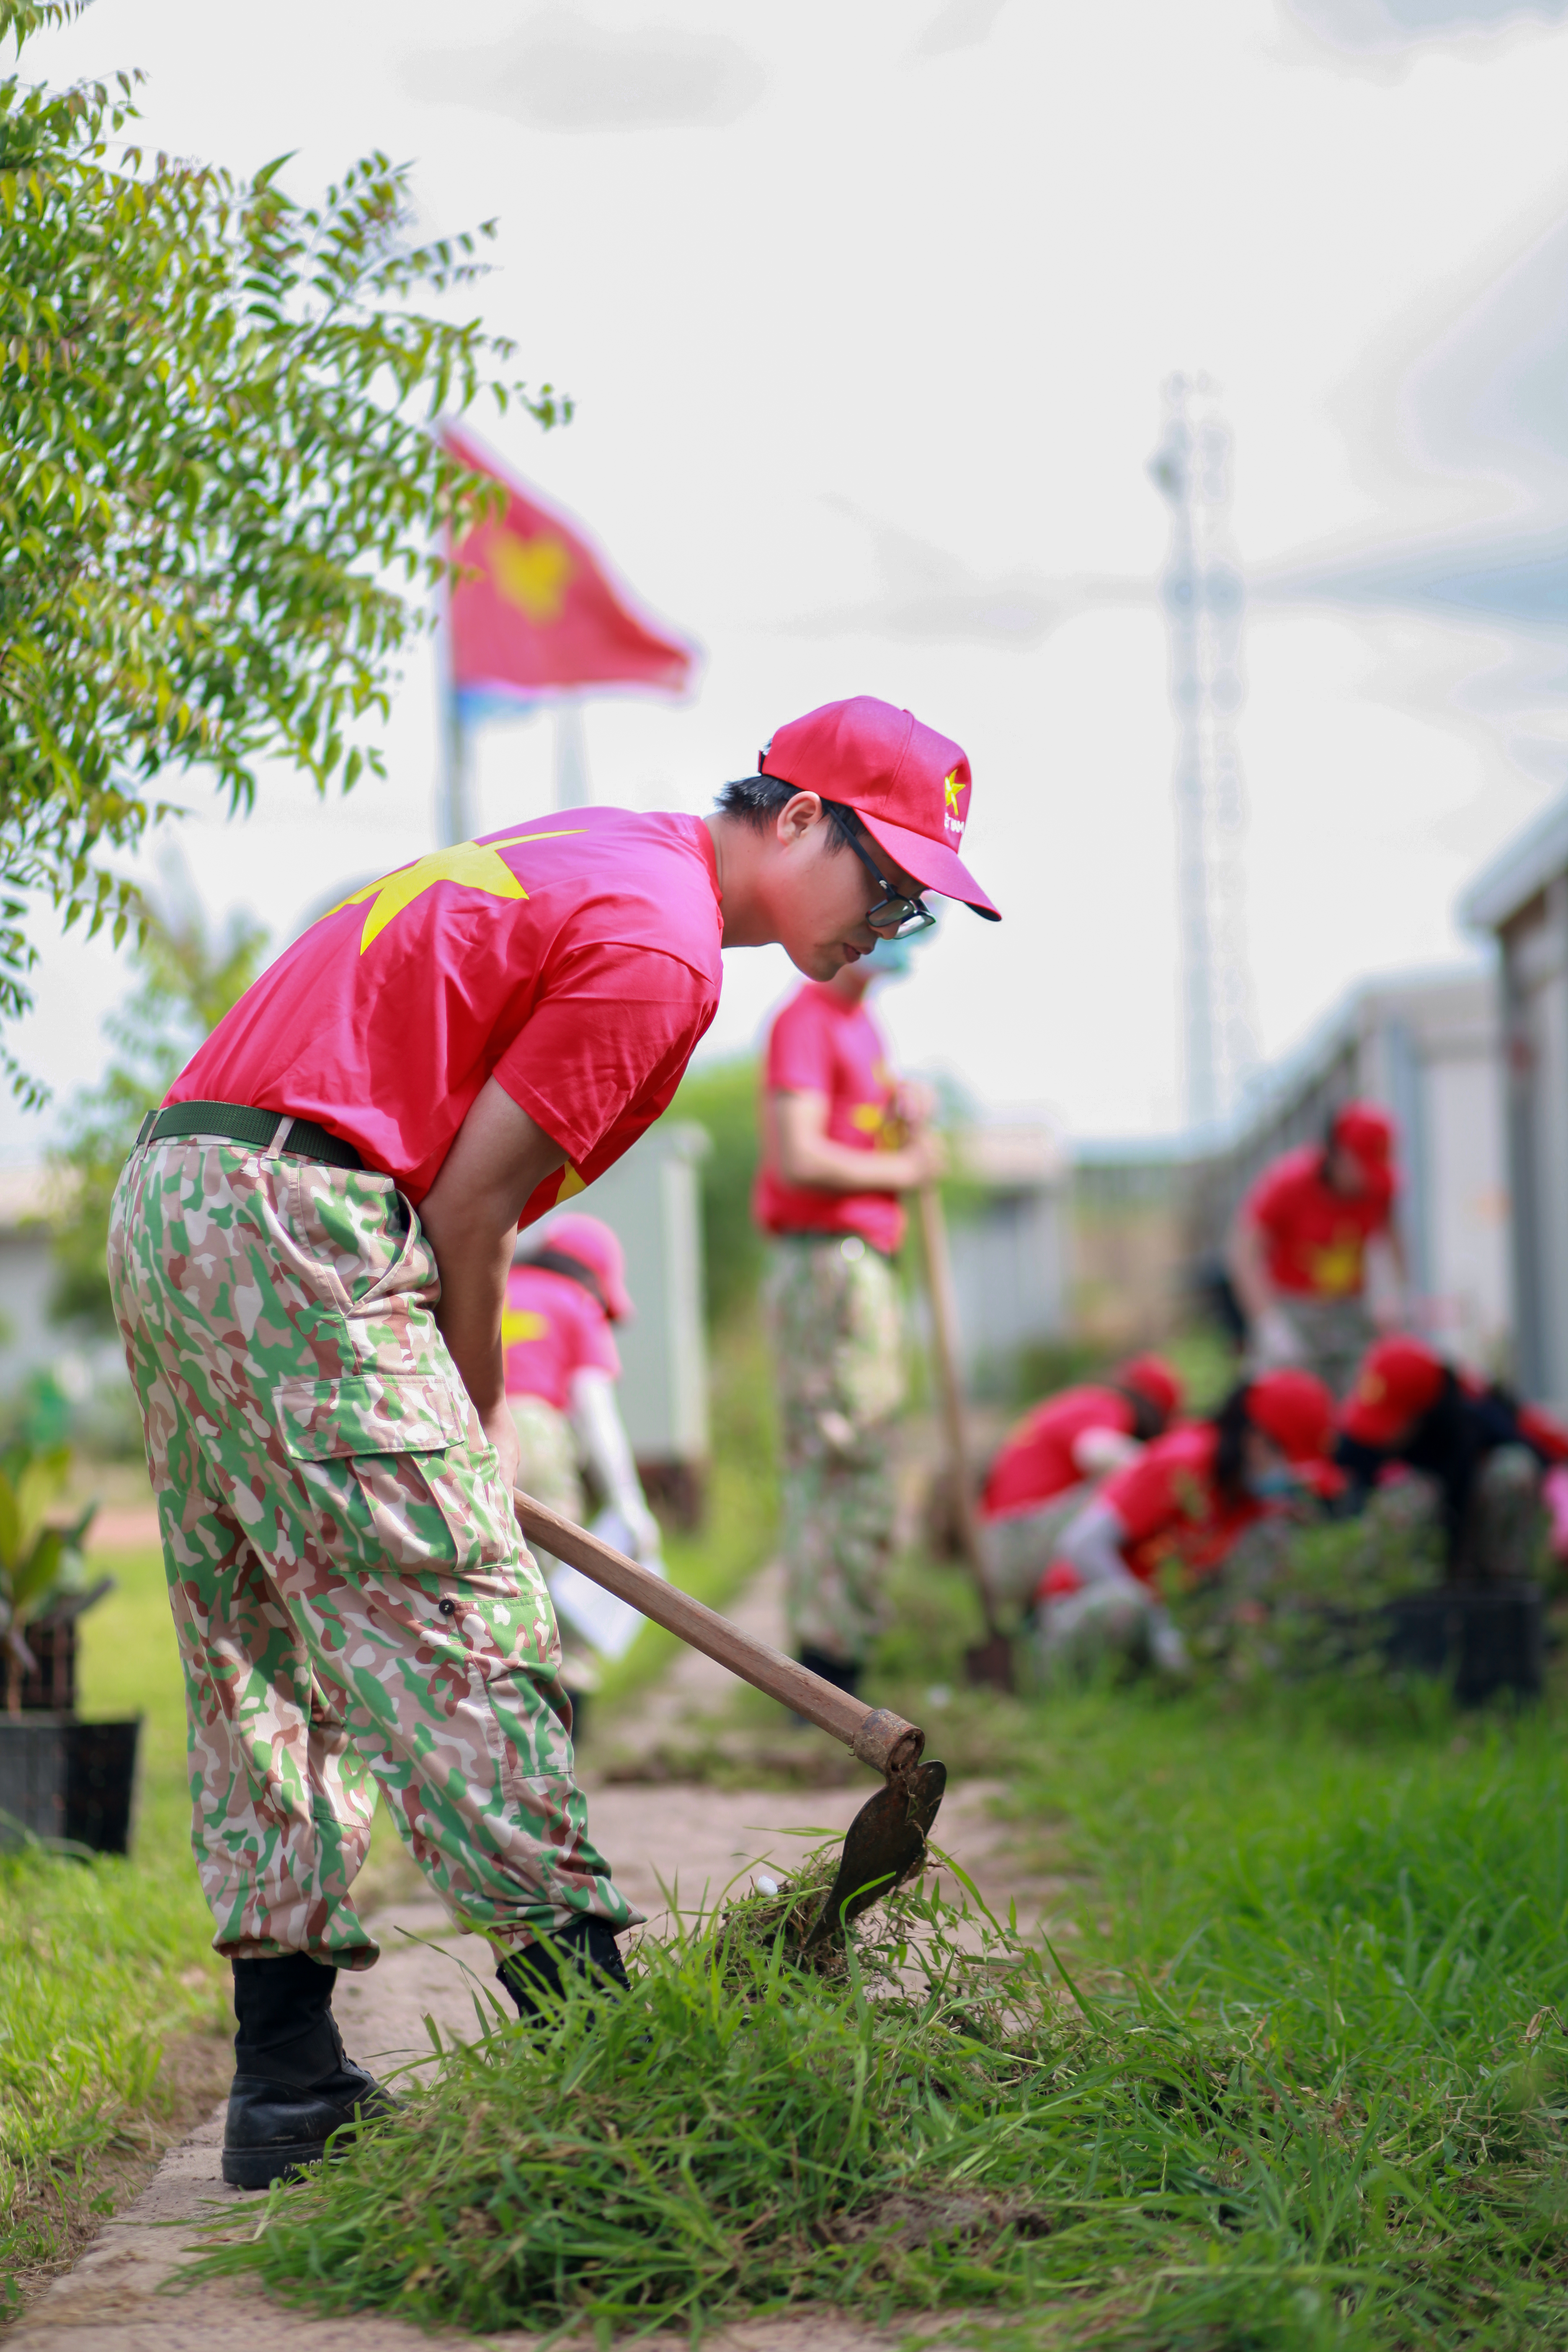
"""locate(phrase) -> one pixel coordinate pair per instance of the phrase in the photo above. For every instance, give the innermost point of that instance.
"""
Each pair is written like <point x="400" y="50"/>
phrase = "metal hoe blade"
<point x="884" y="1844"/>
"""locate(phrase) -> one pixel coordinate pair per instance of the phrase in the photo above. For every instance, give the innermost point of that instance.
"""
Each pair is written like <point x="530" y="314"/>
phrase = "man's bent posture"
<point x="309" y="1254"/>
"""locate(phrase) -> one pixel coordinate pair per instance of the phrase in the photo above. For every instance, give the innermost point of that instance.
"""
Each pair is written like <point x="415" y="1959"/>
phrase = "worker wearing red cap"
<point x="842" y="1141"/>
<point x="1299" y="1246"/>
<point x="309" y="1254"/>
<point x="1058" y="1454"/>
<point x="1181" y="1510"/>
<point x="1484" y="1449"/>
<point x="566" y="1292"/>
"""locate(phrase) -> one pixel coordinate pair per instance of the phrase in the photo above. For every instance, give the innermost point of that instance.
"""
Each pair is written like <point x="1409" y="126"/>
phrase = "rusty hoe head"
<point x="886" y="1841"/>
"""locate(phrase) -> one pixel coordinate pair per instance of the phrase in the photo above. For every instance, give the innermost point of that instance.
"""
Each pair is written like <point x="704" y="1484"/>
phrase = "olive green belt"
<point x="240" y="1123"/>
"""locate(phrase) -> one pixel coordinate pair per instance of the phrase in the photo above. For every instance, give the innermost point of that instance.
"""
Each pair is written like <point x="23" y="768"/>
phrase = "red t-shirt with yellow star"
<point x="575" y="960"/>
<point x="1315" y="1238"/>
<point x="550" y="1327"/>
<point x="1172" y="1513"/>
<point x="820" y="1045"/>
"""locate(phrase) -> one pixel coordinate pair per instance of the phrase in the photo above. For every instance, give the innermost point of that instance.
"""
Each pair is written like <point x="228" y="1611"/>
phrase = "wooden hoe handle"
<point x="944" y="1332"/>
<point x="880" y="1738"/>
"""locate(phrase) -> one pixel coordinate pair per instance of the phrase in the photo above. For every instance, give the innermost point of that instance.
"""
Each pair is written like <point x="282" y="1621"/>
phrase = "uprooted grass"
<point x="940" y="2123"/>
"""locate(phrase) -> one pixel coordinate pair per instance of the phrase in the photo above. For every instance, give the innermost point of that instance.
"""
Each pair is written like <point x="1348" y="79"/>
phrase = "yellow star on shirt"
<point x="521" y="1323"/>
<point x="472" y="864"/>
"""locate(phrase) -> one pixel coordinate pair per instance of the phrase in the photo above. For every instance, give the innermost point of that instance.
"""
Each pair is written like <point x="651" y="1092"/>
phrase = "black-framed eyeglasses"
<point x="894" y="916"/>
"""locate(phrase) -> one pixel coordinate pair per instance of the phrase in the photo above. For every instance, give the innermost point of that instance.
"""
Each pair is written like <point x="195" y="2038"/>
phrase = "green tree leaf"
<point x="221" y="504"/>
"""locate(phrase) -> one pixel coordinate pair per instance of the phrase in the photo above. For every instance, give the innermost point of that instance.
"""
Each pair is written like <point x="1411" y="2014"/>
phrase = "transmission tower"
<point x="1203" y="597"/>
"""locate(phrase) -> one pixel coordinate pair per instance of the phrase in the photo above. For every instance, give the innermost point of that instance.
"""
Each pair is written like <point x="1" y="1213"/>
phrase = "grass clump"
<point x="940" y="2124"/>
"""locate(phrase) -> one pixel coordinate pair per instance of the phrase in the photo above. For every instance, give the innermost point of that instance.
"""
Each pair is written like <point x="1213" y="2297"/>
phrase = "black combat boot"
<point x="292" y="2085"/>
<point x="585" y="1948"/>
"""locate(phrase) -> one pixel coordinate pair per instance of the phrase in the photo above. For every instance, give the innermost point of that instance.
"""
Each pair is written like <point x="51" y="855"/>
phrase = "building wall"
<point x="1431" y="1051"/>
<point x="1535" y="1002"/>
<point x="1009" y="1276"/>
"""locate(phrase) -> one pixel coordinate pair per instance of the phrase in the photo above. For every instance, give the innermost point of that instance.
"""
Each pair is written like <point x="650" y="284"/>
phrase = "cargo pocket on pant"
<point x="359" y="1446"/>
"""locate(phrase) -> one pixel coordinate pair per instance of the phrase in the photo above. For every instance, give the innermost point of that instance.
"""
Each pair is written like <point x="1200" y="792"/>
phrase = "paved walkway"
<point x="671" y="1845"/>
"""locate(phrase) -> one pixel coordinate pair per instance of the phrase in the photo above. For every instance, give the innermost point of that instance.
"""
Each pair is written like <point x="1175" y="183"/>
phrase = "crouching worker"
<point x="1486" y="1451"/>
<point x="563" y="1296"/>
<point x="308" y="1251"/>
<point x="1061" y="1450"/>
<point x="1182" y="1508"/>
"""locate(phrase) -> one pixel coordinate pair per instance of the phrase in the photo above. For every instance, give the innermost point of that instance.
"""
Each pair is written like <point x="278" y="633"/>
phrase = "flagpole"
<point x="571" y="753"/>
<point x="452" y="813"/>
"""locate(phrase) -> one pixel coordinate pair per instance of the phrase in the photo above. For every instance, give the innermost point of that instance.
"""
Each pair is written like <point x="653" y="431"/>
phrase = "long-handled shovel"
<point x="886" y="1841"/>
<point x="990" y="1661"/>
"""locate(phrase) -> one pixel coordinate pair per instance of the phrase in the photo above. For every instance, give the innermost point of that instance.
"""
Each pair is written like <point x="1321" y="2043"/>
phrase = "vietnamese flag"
<point x="539" y="613"/>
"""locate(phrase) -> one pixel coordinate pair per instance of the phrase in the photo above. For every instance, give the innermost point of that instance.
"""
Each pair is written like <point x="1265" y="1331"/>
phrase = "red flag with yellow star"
<point x="538" y="613"/>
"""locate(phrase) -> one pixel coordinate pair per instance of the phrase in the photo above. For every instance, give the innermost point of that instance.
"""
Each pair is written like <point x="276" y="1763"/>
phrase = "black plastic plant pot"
<point x="64" y="1781"/>
<point x="1486" y="1637"/>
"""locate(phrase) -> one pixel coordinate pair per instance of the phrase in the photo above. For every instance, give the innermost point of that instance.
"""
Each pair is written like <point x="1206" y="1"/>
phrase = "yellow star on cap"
<point x="950" y="788"/>
<point x="472" y="864"/>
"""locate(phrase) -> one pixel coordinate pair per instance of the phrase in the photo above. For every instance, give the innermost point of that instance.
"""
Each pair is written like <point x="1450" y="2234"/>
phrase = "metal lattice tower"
<point x="1203" y="597"/>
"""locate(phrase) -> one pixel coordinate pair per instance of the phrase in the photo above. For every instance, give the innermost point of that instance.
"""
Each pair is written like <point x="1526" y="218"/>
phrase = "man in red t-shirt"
<point x="1052" y="1461"/>
<point x="309" y="1254"/>
<point x="1299" y="1246"/>
<point x="1179" y="1510"/>
<point x="842" y="1141"/>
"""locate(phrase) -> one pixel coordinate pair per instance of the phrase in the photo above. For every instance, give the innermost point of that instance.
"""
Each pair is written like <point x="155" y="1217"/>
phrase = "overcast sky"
<point x="866" y="311"/>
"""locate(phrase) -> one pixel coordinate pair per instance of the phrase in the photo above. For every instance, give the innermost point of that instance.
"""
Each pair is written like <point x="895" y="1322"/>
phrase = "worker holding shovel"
<point x="842" y="1140"/>
<point x="309" y="1254"/>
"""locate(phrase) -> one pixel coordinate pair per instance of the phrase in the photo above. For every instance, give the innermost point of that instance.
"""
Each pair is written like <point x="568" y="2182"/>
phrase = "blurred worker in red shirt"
<point x="1179" y="1510"/>
<point x="1299" y="1246"/>
<point x="1486" y="1451"/>
<point x="1060" y="1449"/>
<point x="566" y="1291"/>
<point x="841" y="1140"/>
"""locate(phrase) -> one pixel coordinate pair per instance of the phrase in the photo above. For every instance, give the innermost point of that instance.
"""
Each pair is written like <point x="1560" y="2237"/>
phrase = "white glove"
<point x="1274" y="1340"/>
<point x="601" y="1432"/>
<point x="1166" y="1646"/>
<point x="1097" y="1451"/>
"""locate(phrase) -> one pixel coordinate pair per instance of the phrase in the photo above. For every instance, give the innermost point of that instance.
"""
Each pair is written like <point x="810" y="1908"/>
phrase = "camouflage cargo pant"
<point x="1333" y="1335"/>
<point x="1021" y="1546"/>
<point x="837" y="1341"/>
<point x="547" y="1469"/>
<point x="353" y="1601"/>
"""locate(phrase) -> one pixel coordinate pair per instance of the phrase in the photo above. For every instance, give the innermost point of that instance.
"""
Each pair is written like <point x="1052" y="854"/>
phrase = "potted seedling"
<point x="59" y="1777"/>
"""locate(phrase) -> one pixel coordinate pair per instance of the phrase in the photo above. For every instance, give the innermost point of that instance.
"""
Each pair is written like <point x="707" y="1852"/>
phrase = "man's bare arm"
<point x="808" y="1156"/>
<point x="1249" y="1268"/>
<point x="469" y="1215"/>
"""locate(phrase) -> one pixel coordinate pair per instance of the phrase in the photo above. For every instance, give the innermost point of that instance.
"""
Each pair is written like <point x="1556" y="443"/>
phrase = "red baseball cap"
<point x="1153" y="1378"/>
<point x="907" y="784"/>
<point x="590" y="1240"/>
<point x="1367" y="1132"/>
<point x="1398" y="1380"/>
<point x="1296" y="1410"/>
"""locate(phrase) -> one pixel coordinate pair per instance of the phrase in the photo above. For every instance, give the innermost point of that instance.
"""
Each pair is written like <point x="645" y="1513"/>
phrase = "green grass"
<point x="103" y="1961"/>
<point x="1308" y="2088"/>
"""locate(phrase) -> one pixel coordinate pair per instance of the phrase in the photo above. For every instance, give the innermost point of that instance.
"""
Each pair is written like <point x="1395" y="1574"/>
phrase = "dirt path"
<point x="674" y="1845"/>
